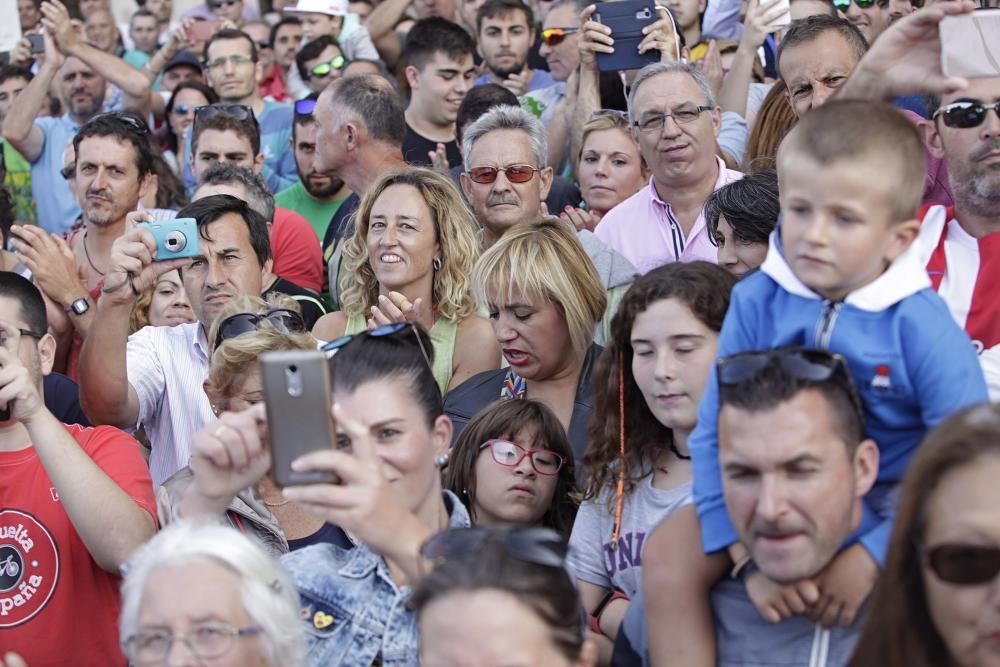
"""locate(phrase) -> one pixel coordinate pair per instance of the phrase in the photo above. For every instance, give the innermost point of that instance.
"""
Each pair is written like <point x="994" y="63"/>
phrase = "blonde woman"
<point x="544" y="299"/>
<point x="409" y="259"/>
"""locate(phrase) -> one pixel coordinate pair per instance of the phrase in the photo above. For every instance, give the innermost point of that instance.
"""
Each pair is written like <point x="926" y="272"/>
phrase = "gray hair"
<point x="577" y="5"/>
<point x="507" y="117"/>
<point x="266" y="590"/>
<point x="655" y="69"/>
<point x="259" y="196"/>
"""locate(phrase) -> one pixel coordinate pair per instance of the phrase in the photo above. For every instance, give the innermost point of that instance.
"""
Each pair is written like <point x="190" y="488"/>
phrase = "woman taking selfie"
<point x="513" y="464"/>
<point x="211" y="484"/>
<point x="409" y="260"/>
<point x="544" y="299"/>
<point x="937" y="599"/>
<point x="638" y="469"/>
<point x="391" y="441"/>
<point x="502" y="596"/>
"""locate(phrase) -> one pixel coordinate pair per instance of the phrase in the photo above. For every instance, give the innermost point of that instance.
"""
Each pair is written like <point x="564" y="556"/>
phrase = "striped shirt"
<point x="965" y="271"/>
<point x="166" y="367"/>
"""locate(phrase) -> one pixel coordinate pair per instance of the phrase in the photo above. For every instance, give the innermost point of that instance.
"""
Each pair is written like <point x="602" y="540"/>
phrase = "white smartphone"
<point x="970" y="44"/>
<point x="784" y="20"/>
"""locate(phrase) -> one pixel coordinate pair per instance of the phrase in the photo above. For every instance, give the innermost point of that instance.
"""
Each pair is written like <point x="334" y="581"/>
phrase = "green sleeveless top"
<point x="443" y="335"/>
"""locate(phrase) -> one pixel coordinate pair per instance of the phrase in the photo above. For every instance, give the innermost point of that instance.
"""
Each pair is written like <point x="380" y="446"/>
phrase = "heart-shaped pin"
<point x="321" y="620"/>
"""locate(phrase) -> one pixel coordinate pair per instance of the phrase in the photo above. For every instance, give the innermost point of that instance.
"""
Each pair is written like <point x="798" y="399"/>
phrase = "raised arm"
<point x="19" y="126"/>
<point x="106" y="395"/>
<point x="133" y="83"/>
<point x="110" y="523"/>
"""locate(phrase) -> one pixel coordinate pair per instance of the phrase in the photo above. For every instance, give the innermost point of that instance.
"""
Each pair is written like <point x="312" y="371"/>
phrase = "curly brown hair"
<point x="705" y="289"/>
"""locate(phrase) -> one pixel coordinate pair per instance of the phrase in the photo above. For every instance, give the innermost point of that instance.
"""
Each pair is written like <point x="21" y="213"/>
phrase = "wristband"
<point x="740" y="567"/>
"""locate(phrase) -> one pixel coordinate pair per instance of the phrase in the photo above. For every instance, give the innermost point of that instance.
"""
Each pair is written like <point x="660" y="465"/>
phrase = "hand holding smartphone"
<point x="626" y="18"/>
<point x="296" y="388"/>
<point x="970" y="44"/>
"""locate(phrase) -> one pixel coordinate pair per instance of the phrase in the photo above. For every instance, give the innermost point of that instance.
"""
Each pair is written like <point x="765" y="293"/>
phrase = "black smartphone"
<point x="296" y="388"/>
<point x="626" y="18"/>
<point x="37" y="42"/>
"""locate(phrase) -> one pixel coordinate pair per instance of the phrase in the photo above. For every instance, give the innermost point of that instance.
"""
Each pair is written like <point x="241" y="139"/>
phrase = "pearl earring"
<point x="442" y="460"/>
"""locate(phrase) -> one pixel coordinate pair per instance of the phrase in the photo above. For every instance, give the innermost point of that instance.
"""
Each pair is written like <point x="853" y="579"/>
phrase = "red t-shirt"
<point x="297" y="254"/>
<point x="57" y="606"/>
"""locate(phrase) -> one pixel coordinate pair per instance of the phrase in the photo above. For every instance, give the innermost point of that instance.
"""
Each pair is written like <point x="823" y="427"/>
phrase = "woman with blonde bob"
<point x="409" y="259"/>
<point x="937" y="602"/>
<point x="211" y="588"/>
<point x="544" y="299"/>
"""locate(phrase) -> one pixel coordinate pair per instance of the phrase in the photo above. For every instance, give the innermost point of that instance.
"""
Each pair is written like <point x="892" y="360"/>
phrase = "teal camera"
<point x="175" y="239"/>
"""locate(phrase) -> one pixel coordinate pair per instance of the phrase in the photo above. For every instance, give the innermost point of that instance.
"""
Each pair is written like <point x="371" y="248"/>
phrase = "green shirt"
<point x="318" y="213"/>
<point x="18" y="183"/>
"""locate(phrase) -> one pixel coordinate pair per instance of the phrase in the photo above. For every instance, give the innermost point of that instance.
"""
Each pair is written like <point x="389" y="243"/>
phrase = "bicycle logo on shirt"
<point x="10" y="567"/>
<point x="29" y="567"/>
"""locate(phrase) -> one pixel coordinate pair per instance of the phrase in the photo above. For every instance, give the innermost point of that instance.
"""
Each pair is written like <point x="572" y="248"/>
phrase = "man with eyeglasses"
<point x="61" y="489"/>
<point x="83" y="73"/>
<point x="234" y="72"/>
<point x="958" y="243"/>
<point x="320" y="62"/>
<point x="676" y="121"/>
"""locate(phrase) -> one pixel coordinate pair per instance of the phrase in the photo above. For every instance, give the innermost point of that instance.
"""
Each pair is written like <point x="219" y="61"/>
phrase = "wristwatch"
<point x="80" y="306"/>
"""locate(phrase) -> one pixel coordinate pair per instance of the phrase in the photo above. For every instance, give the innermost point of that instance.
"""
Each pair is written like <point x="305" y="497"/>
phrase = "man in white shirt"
<point x="154" y="377"/>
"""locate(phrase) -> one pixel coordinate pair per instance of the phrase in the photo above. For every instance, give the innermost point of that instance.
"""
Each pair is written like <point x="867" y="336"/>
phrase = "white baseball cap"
<point x="328" y="7"/>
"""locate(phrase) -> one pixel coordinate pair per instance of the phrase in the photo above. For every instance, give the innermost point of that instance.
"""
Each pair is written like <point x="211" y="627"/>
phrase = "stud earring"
<point x="442" y="460"/>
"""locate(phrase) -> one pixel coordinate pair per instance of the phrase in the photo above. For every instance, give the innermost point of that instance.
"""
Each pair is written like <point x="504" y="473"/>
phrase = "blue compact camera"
<point x="175" y="239"/>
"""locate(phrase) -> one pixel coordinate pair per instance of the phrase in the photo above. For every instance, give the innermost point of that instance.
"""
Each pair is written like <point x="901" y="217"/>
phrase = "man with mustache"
<point x="317" y="195"/>
<point x="83" y="73"/>
<point x="505" y="30"/>
<point x="153" y="378"/>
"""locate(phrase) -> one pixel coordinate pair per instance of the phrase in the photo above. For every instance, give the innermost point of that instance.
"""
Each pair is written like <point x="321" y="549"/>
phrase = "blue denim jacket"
<point x="354" y="614"/>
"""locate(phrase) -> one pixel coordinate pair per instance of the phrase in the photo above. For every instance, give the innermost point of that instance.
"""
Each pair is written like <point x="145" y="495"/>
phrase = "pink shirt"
<point x="643" y="229"/>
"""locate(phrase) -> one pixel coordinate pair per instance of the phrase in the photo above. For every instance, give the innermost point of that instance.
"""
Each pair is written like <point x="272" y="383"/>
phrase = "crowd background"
<point x="688" y="364"/>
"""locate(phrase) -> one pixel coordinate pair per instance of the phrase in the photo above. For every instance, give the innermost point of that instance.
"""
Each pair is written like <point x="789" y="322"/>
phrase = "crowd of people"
<point x="680" y="366"/>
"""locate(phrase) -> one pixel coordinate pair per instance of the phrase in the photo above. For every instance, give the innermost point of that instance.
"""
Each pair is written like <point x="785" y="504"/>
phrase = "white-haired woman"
<point x="204" y="594"/>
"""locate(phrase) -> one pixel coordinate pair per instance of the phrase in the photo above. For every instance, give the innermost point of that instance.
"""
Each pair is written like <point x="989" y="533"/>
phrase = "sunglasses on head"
<point x="537" y="545"/>
<point x="282" y="319"/>
<point x="305" y="107"/>
<point x="240" y="112"/>
<point x="800" y="363"/>
<point x="963" y="564"/>
<point x="844" y="5"/>
<point x="966" y="113"/>
<point x="68" y="172"/>
<point x="323" y="69"/>
<point x="131" y="122"/>
<point x="515" y="173"/>
<point x="556" y="36"/>
<point x="378" y="332"/>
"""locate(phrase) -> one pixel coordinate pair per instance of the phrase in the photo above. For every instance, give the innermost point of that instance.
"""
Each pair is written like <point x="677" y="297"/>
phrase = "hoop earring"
<point x="437" y="264"/>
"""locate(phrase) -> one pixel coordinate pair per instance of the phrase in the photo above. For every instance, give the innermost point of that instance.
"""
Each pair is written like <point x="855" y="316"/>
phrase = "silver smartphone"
<point x="296" y="388"/>
<point x="970" y="44"/>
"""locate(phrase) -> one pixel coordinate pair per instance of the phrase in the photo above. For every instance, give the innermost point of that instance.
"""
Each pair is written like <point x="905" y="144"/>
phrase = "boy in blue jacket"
<point x="839" y="275"/>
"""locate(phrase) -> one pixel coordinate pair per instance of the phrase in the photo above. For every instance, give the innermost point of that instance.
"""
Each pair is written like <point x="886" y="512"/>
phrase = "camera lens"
<point x="175" y="241"/>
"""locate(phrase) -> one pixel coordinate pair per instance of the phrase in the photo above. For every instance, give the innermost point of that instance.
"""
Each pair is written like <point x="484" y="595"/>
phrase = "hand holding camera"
<point x="147" y="250"/>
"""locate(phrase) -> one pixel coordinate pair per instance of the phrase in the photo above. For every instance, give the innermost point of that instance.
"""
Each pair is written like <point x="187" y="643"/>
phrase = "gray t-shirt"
<point x="591" y="557"/>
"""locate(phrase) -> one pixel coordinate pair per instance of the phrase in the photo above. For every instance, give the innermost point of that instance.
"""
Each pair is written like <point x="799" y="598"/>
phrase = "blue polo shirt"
<point x="279" y="170"/>
<point x="53" y="201"/>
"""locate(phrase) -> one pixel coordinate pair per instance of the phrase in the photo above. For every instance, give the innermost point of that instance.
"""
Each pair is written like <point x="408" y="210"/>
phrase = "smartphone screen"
<point x="37" y="41"/>
<point x="202" y="30"/>
<point x="970" y="44"/>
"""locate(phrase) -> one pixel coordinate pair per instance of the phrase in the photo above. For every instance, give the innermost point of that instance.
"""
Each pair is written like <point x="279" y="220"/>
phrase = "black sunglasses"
<point x="68" y="172"/>
<point x="282" y="319"/>
<point x="965" y="114"/>
<point x="537" y="545"/>
<point x="132" y="122"/>
<point x="378" y="332"/>
<point x="963" y="564"/>
<point x="801" y="363"/>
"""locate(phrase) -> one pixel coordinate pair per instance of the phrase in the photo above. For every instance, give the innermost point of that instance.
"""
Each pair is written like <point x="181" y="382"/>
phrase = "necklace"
<point x="89" y="260"/>
<point x="677" y="453"/>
